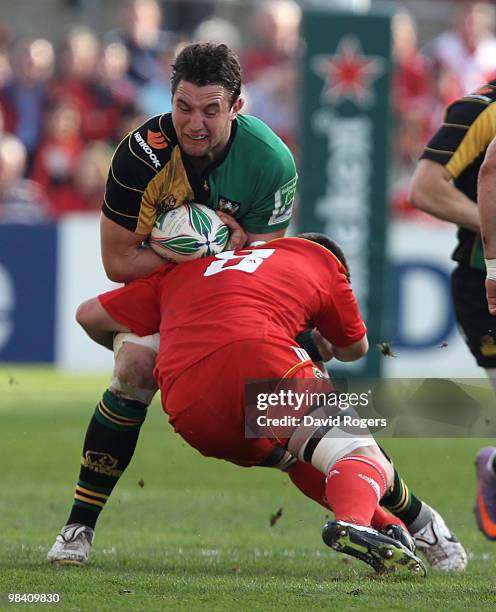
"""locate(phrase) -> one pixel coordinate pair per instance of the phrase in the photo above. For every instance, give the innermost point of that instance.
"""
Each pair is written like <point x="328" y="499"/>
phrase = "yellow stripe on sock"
<point x="108" y="417"/>
<point x="103" y="412"/>
<point x="87" y="500"/>
<point x="118" y="416"/>
<point x="402" y="504"/>
<point x="92" y="493"/>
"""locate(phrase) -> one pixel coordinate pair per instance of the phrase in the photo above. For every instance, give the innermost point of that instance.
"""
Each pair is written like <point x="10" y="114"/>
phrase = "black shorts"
<point x="477" y="326"/>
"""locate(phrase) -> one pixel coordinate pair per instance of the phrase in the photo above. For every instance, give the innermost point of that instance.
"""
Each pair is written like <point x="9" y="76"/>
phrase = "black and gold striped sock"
<point x="401" y="502"/>
<point x="109" y="445"/>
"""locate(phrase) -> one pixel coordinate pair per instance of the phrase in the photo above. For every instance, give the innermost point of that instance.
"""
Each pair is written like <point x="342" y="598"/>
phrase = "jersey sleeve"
<point x="130" y="187"/>
<point x="468" y="128"/>
<point x="338" y="317"/>
<point x="273" y="207"/>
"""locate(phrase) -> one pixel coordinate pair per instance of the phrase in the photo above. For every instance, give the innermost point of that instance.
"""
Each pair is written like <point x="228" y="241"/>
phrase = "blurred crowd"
<point x="427" y="79"/>
<point x="64" y="108"/>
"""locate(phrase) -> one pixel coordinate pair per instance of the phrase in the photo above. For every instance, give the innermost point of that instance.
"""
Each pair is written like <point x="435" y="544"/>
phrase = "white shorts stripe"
<point x="301" y="353"/>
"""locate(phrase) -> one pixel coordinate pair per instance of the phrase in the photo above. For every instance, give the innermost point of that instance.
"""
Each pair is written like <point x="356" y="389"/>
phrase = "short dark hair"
<point x="208" y="64"/>
<point x="329" y="244"/>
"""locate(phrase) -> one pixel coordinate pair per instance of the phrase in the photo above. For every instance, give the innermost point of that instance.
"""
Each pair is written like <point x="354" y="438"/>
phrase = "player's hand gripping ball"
<point x="188" y="232"/>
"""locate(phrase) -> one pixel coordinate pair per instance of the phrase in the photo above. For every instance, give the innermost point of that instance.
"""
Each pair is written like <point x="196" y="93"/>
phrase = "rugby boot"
<point x="383" y="552"/>
<point x="485" y="500"/>
<point x="440" y="546"/>
<point x="72" y="545"/>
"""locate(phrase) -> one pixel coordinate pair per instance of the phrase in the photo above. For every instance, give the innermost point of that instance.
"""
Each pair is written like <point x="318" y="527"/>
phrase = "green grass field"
<point x="197" y="534"/>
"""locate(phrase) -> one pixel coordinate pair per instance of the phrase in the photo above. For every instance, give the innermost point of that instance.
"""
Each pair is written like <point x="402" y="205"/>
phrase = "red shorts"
<point x="206" y="402"/>
<point x="137" y="304"/>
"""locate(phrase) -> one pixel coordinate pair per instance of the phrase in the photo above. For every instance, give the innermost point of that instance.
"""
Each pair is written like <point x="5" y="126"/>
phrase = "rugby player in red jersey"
<point x="256" y="301"/>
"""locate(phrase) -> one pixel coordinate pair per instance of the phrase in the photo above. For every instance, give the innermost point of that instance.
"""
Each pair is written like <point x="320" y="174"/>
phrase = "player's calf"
<point x="109" y="445"/>
<point x="357" y="473"/>
<point x="354" y="487"/>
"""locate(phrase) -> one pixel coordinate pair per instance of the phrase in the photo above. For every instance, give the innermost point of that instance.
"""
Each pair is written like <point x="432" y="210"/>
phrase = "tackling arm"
<point x="487" y="207"/>
<point x="340" y="331"/>
<point x="432" y="191"/>
<point x="347" y="353"/>
<point x="123" y="257"/>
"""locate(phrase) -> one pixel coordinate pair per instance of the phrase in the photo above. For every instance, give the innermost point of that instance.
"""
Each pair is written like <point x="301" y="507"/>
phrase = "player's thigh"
<point x="209" y="416"/>
<point x="214" y="434"/>
<point x="206" y="403"/>
<point x="477" y="326"/>
<point x="90" y="314"/>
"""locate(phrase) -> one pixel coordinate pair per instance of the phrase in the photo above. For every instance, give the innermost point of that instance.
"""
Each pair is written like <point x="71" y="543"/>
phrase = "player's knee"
<point x="134" y="366"/>
<point x="87" y="314"/>
<point x="322" y="451"/>
<point x="374" y="452"/>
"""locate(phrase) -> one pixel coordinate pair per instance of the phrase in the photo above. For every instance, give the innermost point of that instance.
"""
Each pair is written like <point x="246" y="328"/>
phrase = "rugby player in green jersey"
<point x="204" y="151"/>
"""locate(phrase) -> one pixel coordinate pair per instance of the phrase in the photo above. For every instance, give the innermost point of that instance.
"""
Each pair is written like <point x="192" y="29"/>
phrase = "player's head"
<point x="206" y="87"/>
<point x="329" y="244"/>
<point x="208" y="64"/>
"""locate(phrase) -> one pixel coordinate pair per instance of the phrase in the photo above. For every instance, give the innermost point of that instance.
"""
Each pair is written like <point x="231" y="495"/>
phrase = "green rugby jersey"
<point x="460" y="145"/>
<point x="254" y="181"/>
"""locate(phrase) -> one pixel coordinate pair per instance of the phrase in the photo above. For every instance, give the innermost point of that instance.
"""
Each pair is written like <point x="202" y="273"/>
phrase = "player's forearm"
<point x="131" y="264"/>
<point x="123" y="256"/>
<point x="324" y="346"/>
<point x="441" y="199"/>
<point x="487" y="201"/>
<point x="353" y="352"/>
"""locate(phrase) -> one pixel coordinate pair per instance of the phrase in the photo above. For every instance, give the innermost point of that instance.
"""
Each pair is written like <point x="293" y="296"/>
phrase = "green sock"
<point x="401" y="502"/>
<point x="109" y="445"/>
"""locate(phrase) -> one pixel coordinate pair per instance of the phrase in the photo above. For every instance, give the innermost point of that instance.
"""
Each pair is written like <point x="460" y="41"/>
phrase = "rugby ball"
<point x="188" y="232"/>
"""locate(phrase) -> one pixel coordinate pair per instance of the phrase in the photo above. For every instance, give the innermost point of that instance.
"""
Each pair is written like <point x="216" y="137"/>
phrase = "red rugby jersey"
<point x="271" y="292"/>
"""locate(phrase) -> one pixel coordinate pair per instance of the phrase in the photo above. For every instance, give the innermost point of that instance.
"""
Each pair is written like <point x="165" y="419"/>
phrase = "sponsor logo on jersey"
<point x="167" y="203"/>
<point x="102" y="463"/>
<point x="156" y="140"/>
<point x="228" y="206"/>
<point x="147" y="149"/>
<point x="318" y="374"/>
<point x="283" y="203"/>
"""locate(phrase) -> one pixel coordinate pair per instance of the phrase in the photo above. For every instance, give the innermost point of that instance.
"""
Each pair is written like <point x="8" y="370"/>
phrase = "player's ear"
<point x="237" y="106"/>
